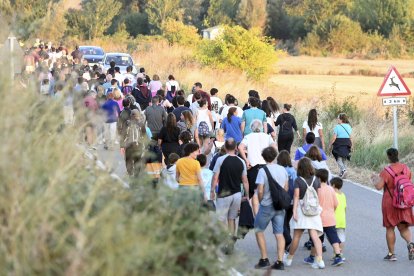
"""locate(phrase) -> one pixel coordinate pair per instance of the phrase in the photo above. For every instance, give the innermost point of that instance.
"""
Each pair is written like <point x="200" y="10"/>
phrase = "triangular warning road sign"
<point x="393" y="85"/>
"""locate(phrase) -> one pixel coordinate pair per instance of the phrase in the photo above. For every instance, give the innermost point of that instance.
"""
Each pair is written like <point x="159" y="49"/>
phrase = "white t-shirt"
<point x="170" y="83"/>
<point x="315" y="130"/>
<point x="226" y="108"/>
<point x="190" y="98"/>
<point x="255" y="143"/>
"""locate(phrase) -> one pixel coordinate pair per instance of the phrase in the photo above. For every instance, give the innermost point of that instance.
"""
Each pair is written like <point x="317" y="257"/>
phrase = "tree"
<point x="176" y="32"/>
<point x="221" y="12"/>
<point x="160" y="10"/>
<point x="252" y="14"/>
<point x="97" y="15"/>
<point x="314" y="12"/>
<point x="236" y="47"/>
<point x="383" y="15"/>
<point x="282" y="25"/>
<point x="53" y="26"/>
<point x="194" y="12"/>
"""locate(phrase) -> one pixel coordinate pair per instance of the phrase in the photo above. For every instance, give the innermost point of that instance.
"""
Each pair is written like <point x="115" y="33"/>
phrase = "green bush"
<point x="60" y="215"/>
<point x="373" y="155"/>
<point x="238" y="48"/>
<point x="177" y="32"/>
<point x="137" y="24"/>
<point x="332" y="106"/>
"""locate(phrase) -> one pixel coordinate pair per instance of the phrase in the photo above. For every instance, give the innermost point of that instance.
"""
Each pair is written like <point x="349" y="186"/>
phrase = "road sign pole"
<point x="11" y="39"/>
<point x="395" y="114"/>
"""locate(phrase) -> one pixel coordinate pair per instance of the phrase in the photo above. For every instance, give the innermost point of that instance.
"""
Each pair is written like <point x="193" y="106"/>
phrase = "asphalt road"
<point x="365" y="246"/>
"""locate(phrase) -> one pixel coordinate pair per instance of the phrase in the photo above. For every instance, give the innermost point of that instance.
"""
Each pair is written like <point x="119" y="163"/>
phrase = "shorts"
<point x="341" y="234"/>
<point x="267" y="214"/>
<point x="331" y="234"/>
<point x="251" y="177"/>
<point x="228" y="207"/>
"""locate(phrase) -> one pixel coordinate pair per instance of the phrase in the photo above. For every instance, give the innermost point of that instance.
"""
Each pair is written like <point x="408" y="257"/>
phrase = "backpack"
<point x="133" y="133"/>
<point x="203" y="129"/>
<point x="281" y="199"/>
<point x="403" y="197"/>
<point x="310" y="202"/>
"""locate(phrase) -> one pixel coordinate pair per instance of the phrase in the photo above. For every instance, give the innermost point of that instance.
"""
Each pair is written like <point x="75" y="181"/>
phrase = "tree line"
<point x="316" y="27"/>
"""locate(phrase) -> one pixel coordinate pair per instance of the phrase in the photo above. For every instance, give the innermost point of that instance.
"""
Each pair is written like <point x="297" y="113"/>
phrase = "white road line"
<point x="364" y="187"/>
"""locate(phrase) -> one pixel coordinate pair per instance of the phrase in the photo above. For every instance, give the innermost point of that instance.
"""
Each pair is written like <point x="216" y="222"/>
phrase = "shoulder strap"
<point x="345" y="130"/>
<point x="268" y="174"/>
<point x="302" y="150"/>
<point x="389" y="170"/>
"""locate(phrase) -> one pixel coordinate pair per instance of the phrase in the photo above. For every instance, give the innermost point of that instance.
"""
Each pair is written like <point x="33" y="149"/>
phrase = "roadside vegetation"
<point x="62" y="215"/>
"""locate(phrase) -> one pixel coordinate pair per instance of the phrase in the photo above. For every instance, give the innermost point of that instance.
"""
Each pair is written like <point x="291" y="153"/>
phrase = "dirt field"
<point x="317" y="76"/>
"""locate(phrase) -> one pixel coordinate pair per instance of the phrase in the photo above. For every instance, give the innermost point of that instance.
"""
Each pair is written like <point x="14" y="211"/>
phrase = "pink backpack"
<point x="403" y="197"/>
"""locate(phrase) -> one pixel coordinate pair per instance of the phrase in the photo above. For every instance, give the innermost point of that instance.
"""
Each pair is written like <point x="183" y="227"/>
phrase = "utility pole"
<point x="11" y="39"/>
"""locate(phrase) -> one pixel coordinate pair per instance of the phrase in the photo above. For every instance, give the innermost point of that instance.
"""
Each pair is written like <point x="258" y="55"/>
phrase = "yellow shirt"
<point x="188" y="169"/>
<point x="340" y="212"/>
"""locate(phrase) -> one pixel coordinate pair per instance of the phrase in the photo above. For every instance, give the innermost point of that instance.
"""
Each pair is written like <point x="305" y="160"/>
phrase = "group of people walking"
<point x="214" y="151"/>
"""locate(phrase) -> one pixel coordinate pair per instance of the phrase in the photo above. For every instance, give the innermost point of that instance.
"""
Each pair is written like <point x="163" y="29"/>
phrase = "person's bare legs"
<point x="316" y="243"/>
<point x="405" y="232"/>
<point x="261" y="242"/>
<point x="231" y="224"/>
<point x="390" y="236"/>
<point x="280" y="246"/>
<point x="297" y="234"/>
<point x="255" y="204"/>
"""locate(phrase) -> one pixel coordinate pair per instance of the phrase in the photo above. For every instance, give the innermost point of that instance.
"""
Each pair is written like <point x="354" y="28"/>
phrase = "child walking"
<point x="328" y="202"/>
<point x="206" y="174"/>
<point x="340" y="212"/>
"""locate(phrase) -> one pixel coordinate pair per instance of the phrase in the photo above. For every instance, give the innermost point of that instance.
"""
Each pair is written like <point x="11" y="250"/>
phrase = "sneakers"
<point x="309" y="260"/>
<point x="410" y="248"/>
<point x="318" y="264"/>
<point x="278" y="265"/>
<point x="342" y="256"/>
<point x="337" y="261"/>
<point x="342" y="174"/>
<point x="286" y="260"/>
<point x="263" y="263"/>
<point x="390" y="257"/>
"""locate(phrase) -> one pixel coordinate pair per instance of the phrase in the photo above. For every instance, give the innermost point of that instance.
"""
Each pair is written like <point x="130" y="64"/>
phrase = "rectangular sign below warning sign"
<point x="394" y="101"/>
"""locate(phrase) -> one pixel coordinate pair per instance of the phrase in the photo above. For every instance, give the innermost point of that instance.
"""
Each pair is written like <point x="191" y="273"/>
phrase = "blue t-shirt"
<point x="112" y="111"/>
<point x="232" y="129"/>
<point x="252" y="114"/>
<point x="343" y="131"/>
<point x="301" y="152"/>
<point x="292" y="177"/>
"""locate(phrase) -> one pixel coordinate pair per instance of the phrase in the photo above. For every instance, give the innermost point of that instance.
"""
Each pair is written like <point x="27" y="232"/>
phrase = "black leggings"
<point x="286" y="227"/>
<point x="284" y="142"/>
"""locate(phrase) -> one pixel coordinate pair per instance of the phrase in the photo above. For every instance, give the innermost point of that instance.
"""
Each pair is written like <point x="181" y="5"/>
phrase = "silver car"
<point x="121" y="60"/>
<point x="92" y="54"/>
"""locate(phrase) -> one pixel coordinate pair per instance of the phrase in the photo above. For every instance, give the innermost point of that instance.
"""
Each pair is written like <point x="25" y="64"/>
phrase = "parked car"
<point x="93" y="54"/>
<point x="122" y="60"/>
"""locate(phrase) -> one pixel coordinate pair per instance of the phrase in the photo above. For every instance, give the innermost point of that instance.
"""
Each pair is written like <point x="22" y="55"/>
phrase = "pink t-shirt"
<point x="119" y="102"/>
<point x="154" y="86"/>
<point x="328" y="202"/>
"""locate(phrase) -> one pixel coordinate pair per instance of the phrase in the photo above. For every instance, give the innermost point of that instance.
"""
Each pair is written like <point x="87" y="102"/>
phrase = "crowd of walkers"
<point x="235" y="160"/>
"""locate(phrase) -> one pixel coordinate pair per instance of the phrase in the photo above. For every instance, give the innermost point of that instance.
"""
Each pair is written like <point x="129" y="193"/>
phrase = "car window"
<point x="92" y="51"/>
<point x="119" y="60"/>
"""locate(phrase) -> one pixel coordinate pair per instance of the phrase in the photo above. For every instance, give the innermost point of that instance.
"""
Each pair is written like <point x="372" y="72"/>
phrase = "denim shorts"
<point x="267" y="214"/>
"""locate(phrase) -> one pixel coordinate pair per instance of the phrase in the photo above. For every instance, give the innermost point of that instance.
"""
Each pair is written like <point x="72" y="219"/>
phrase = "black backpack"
<point x="281" y="199"/>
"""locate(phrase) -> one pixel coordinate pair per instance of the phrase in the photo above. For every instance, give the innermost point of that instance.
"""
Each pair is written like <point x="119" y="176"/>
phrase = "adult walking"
<point x="133" y="142"/>
<point x="232" y="125"/>
<point x="168" y="138"/>
<point x="287" y="124"/>
<point x="250" y="150"/>
<point x="341" y="143"/>
<point x="171" y="86"/>
<point x="391" y="216"/>
<point x="314" y="126"/>
<point x="156" y="117"/>
<point x="253" y="113"/>
<point x="267" y="212"/>
<point x="141" y="94"/>
<point x="229" y="170"/>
